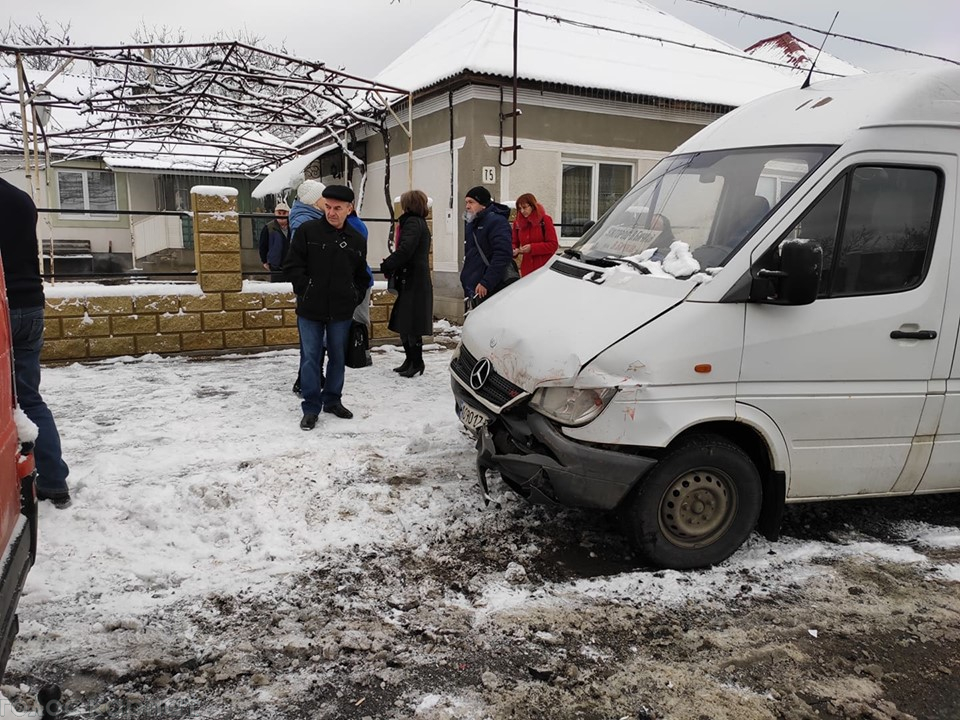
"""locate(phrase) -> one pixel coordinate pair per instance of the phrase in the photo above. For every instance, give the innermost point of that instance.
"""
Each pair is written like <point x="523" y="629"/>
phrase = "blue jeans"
<point x="26" y="327"/>
<point x="315" y="338"/>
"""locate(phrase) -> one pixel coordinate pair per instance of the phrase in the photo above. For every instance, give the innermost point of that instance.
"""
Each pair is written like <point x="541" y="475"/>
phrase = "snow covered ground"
<point x="218" y="562"/>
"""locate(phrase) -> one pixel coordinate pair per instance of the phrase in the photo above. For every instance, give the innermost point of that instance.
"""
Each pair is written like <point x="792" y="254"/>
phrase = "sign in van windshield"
<point x="623" y="240"/>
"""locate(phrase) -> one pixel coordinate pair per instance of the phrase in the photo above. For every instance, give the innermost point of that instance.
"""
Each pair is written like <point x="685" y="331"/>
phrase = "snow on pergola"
<point x="216" y="107"/>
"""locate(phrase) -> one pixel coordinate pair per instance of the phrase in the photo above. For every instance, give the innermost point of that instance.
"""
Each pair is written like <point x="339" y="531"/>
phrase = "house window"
<point x="588" y="190"/>
<point x="91" y="190"/>
<point x="883" y="245"/>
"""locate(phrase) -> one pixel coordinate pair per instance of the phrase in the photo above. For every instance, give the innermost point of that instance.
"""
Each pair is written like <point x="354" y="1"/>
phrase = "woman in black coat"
<point x="409" y="266"/>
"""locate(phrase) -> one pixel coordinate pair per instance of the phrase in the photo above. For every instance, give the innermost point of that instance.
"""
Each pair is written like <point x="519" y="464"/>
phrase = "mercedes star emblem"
<point x="480" y="373"/>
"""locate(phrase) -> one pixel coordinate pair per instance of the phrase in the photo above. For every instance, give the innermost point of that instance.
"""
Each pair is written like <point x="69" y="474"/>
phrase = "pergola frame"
<point x="216" y="108"/>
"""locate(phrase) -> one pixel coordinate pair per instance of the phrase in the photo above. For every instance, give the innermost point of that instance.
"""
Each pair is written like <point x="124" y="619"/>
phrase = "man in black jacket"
<point x="327" y="265"/>
<point x="21" y="272"/>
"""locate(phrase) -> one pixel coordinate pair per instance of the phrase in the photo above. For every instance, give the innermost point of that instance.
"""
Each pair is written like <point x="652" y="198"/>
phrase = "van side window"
<point x="888" y="230"/>
<point x="820" y="224"/>
<point x="875" y="225"/>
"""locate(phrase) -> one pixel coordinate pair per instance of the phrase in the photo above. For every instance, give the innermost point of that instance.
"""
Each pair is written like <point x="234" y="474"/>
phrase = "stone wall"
<point x="217" y="314"/>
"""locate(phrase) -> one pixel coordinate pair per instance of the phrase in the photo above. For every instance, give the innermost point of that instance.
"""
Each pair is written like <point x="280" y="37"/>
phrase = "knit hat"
<point x="310" y="191"/>
<point x="480" y="194"/>
<point x="281" y="206"/>
<point x="338" y="192"/>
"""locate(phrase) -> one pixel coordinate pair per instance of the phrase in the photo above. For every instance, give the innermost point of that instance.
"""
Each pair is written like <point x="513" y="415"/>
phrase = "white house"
<point x="605" y="88"/>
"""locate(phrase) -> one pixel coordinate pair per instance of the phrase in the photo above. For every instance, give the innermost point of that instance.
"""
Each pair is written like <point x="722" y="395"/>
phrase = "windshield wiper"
<point x="636" y="266"/>
<point x="570" y="252"/>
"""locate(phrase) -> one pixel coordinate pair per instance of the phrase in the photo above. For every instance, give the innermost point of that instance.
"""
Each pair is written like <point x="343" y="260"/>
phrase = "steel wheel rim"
<point x="697" y="508"/>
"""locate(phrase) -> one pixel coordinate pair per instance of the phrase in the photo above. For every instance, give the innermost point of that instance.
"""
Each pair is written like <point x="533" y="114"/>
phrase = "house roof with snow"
<point x="644" y="52"/>
<point x="794" y="56"/>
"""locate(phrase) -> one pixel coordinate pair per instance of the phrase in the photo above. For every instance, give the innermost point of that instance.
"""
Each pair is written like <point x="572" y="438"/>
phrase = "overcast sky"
<point x="363" y="36"/>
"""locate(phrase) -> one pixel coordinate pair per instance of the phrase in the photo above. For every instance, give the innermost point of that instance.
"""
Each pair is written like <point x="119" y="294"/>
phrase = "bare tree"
<point x="35" y="35"/>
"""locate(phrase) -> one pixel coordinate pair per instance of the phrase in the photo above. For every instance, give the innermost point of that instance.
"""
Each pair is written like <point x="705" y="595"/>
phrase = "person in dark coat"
<point x="409" y="265"/>
<point x="327" y="265"/>
<point x="21" y="272"/>
<point x="274" y="241"/>
<point x="487" y="227"/>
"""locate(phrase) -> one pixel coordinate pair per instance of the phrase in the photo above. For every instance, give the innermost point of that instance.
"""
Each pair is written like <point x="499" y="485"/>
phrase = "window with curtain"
<point x="615" y="180"/>
<point x="576" y="199"/>
<point x="92" y="190"/>
<point x="588" y="190"/>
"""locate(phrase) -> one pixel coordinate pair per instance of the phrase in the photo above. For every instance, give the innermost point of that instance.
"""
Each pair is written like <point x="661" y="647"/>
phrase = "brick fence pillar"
<point x="216" y="238"/>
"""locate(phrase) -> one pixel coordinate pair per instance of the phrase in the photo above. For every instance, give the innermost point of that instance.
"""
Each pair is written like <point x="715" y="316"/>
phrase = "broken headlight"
<point x="571" y="406"/>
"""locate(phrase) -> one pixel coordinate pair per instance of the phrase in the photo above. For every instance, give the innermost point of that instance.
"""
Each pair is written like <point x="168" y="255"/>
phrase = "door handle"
<point x="914" y="335"/>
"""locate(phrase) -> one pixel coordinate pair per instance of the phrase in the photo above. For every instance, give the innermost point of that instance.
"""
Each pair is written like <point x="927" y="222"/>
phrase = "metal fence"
<point x="161" y="248"/>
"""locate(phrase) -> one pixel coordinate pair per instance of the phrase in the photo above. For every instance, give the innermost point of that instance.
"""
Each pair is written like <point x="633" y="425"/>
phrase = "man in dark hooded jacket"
<point x="486" y="235"/>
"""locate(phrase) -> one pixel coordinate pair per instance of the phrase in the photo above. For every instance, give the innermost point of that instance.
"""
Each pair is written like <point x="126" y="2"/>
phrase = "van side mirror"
<point x="798" y="279"/>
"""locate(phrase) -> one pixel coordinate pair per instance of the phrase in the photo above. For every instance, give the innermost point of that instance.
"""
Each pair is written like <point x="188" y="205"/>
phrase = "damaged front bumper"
<point x="545" y="467"/>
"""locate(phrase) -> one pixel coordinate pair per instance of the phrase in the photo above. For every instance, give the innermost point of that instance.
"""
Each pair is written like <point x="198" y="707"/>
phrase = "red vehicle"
<point x="18" y="496"/>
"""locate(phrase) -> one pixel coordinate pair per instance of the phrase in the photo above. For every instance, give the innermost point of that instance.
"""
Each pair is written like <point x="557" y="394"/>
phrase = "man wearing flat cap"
<point x="274" y="241"/>
<point x="487" y="245"/>
<point x="327" y="265"/>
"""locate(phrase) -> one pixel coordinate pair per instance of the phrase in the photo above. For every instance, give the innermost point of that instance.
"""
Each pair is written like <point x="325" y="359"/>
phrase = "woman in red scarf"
<point x="534" y="237"/>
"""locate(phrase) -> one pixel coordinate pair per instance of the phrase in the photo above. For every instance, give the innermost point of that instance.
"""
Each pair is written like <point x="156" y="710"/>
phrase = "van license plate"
<point x="473" y="419"/>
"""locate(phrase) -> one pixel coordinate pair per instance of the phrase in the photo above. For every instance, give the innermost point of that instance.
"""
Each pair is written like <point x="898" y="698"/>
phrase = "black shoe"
<point x="308" y="421"/>
<point x="339" y="410"/>
<point x="404" y="367"/>
<point x="412" y="371"/>
<point x="61" y="502"/>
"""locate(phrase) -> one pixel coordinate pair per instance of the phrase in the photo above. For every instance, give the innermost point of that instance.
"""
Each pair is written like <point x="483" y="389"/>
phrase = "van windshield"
<point x="711" y="201"/>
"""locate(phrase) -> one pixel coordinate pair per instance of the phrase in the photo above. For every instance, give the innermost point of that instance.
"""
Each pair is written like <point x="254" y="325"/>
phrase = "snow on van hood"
<point x="546" y="326"/>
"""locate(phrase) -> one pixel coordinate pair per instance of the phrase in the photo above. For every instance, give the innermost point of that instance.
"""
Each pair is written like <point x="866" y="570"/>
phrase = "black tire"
<point x="696" y="506"/>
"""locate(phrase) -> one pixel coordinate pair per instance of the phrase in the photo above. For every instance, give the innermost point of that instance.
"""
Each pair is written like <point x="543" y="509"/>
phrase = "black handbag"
<point x="510" y="275"/>
<point x="358" y="346"/>
<point x="397" y="281"/>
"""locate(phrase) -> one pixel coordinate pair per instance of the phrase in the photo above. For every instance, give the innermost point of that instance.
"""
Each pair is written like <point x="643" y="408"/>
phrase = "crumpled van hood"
<point x="547" y="325"/>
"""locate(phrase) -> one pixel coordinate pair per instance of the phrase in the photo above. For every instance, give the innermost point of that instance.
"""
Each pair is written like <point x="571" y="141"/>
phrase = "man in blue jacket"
<point x="487" y="244"/>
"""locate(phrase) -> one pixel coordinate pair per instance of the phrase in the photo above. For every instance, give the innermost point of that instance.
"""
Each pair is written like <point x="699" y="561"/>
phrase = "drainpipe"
<point x="515" y="112"/>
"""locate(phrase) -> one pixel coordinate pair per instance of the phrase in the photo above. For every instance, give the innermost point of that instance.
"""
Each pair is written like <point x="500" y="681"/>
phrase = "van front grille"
<point x="497" y="390"/>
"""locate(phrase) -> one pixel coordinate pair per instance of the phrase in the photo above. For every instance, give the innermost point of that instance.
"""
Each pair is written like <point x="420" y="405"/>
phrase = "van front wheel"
<point x="696" y="507"/>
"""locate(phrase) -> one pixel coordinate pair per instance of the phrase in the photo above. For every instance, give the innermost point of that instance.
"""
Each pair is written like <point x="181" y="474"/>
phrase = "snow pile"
<point x="219" y="191"/>
<point x="27" y="431"/>
<point x="679" y="262"/>
<point x="83" y="290"/>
